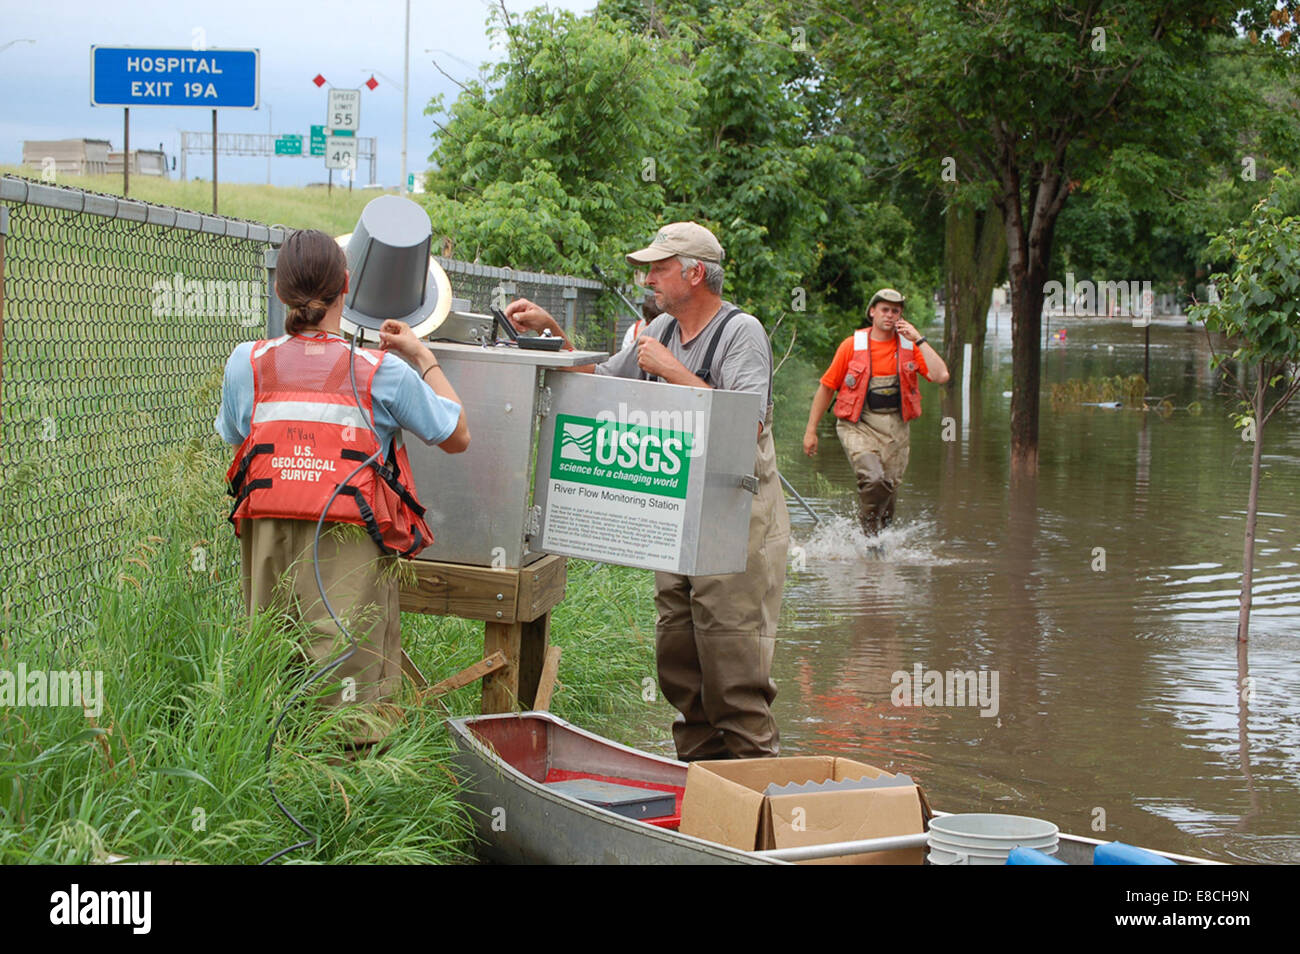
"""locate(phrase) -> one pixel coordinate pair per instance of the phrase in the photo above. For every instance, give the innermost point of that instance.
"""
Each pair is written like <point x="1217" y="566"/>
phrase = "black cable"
<point x="320" y="586"/>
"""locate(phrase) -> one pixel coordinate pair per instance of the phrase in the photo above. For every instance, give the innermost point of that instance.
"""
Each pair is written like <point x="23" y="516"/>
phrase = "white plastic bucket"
<point x="987" y="839"/>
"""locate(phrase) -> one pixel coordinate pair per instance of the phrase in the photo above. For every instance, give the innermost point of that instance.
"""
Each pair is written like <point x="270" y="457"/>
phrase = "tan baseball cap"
<point x="680" y="238"/>
<point x="886" y="294"/>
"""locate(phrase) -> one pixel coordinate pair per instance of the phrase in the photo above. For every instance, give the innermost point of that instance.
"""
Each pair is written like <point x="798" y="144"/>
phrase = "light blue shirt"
<point x="401" y="401"/>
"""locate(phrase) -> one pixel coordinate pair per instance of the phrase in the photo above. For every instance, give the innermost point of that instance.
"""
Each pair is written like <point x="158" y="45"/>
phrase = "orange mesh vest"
<point x="307" y="435"/>
<point x="851" y="396"/>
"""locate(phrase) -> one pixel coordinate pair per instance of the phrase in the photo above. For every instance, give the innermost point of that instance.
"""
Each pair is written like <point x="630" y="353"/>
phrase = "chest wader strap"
<point x="706" y="369"/>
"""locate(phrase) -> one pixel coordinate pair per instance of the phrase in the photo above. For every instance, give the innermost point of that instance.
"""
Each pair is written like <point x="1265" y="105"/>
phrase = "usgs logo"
<point x="607" y="444"/>
<point x="647" y="451"/>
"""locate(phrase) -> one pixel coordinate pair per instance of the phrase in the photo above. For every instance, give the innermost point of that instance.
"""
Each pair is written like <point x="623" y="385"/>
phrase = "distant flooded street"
<point x="1104" y="600"/>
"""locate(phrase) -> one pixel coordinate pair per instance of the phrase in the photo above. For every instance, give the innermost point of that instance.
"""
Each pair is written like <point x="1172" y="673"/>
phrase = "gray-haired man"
<point x="715" y="635"/>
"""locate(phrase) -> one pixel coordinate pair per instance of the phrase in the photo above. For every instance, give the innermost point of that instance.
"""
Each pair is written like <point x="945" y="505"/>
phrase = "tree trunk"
<point x="1252" y="507"/>
<point x="1026" y="367"/>
<point x="1029" y="254"/>
<point x="975" y="248"/>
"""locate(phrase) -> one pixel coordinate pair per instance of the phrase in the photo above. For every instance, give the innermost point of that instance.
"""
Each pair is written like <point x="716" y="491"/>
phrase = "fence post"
<point x="570" y="311"/>
<point x="4" y="232"/>
<point x="274" y="307"/>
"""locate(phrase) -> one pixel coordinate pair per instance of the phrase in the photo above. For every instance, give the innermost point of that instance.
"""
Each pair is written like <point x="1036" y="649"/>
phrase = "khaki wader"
<point x="877" y="447"/>
<point x="278" y="575"/>
<point x="716" y="635"/>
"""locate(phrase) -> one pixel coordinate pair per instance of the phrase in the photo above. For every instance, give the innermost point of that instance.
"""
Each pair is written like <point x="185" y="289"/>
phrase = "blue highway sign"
<point x="140" y="76"/>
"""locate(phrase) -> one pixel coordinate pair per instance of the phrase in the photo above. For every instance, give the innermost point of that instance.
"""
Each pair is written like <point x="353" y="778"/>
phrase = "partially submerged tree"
<point x="1031" y="97"/>
<point x="1259" y="310"/>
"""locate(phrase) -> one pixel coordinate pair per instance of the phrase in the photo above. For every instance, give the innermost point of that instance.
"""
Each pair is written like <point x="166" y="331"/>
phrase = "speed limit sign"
<point x="344" y="113"/>
<point x="340" y="152"/>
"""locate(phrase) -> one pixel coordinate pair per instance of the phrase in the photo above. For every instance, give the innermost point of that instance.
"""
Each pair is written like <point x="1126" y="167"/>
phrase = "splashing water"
<point x="839" y="538"/>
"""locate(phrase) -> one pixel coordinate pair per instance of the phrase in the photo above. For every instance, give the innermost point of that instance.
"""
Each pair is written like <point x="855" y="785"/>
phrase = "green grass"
<point x="173" y="766"/>
<point x="298" y="207"/>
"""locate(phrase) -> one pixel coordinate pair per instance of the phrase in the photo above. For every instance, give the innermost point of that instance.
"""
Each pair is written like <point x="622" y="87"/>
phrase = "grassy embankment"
<point x="299" y="208"/>
<point x="172" y="767"/>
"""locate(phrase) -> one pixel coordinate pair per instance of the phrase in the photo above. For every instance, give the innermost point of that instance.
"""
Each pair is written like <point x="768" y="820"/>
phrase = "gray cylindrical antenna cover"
<point x="388" y="257"/>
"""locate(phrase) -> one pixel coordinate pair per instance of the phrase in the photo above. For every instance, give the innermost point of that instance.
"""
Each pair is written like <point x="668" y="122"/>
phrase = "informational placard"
<point x="344" y="114"/>
<point x="617" y="491"/>
<point x="288" y="146"/>
<point x="139" y="76"/>
<point x="318" y="140"/>
<point x="340" y="152"/>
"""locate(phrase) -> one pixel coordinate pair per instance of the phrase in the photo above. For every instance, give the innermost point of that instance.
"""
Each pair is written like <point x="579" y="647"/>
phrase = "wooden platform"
<point x="515" y="606"/>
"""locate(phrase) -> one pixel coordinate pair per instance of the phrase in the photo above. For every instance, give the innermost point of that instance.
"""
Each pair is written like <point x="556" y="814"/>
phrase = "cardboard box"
<point x="725" y="802"/>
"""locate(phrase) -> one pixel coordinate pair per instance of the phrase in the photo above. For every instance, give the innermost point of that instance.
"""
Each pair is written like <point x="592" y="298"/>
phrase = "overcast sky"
<point x="45" y="85"/>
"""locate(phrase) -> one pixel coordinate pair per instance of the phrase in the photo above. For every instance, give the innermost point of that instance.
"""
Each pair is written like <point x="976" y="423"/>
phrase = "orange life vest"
<point x="853" y="392"/>
<point x="307" y="435"/>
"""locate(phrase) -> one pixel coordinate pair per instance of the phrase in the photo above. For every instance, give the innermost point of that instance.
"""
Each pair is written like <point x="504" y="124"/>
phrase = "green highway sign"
<point x="318" y="140"/>
<point x="288" y="146"/>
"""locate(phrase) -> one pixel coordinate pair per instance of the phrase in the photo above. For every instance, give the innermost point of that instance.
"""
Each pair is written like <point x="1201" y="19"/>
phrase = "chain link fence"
<point x="116" y="320"/>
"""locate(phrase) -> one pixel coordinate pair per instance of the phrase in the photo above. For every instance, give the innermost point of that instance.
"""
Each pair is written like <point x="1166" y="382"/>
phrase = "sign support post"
<point x="214" y="162"/>
<point x="126" y="152"/>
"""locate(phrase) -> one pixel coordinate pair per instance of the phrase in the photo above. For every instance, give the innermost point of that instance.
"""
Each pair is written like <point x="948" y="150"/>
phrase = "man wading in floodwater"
<point x="715" y="635"/>
<point x="874" y="372"/>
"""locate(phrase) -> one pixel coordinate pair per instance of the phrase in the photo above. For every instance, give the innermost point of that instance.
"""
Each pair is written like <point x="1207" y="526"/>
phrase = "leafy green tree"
<point x="778" y="166"/>
<point x="593" y="130"/>
<point x="1029" y="98"/>
<point x="1259" y="310"/>
<point x="547" y="161"/>
<point x="1147" y="218"/>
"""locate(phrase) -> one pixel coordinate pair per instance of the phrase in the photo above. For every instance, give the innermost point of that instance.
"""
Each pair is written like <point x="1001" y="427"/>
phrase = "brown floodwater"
<point x="1103" y="596"/>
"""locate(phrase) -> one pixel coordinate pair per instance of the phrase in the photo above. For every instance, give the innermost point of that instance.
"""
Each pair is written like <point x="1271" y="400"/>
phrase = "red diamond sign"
<point x="319" y="80"/>
<point x="372" y="83"/>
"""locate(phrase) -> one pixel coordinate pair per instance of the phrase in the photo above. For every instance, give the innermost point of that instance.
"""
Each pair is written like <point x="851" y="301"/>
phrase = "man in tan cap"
<point x="715" y="635"/>
<point x="875" y="373"/>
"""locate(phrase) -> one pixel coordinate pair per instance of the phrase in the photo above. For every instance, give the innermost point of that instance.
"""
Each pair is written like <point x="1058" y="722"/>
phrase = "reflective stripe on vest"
<point x="344" y="414"/>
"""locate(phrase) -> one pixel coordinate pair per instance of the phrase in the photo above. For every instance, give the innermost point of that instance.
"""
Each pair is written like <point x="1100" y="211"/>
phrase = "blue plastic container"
<point x="1031" y="856"/>
<point x="1118" y="853"/>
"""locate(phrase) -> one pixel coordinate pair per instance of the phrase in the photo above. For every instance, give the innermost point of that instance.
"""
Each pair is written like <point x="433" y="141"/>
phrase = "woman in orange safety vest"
<point x="289" y="405"/>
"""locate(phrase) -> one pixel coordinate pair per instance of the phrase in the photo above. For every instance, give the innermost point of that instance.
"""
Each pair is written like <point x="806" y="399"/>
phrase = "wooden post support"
<point x="515" y="605"/>
<point x="412" y="672"/>
<point x="546" y="685"/>
<point x="467" y="675"/>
